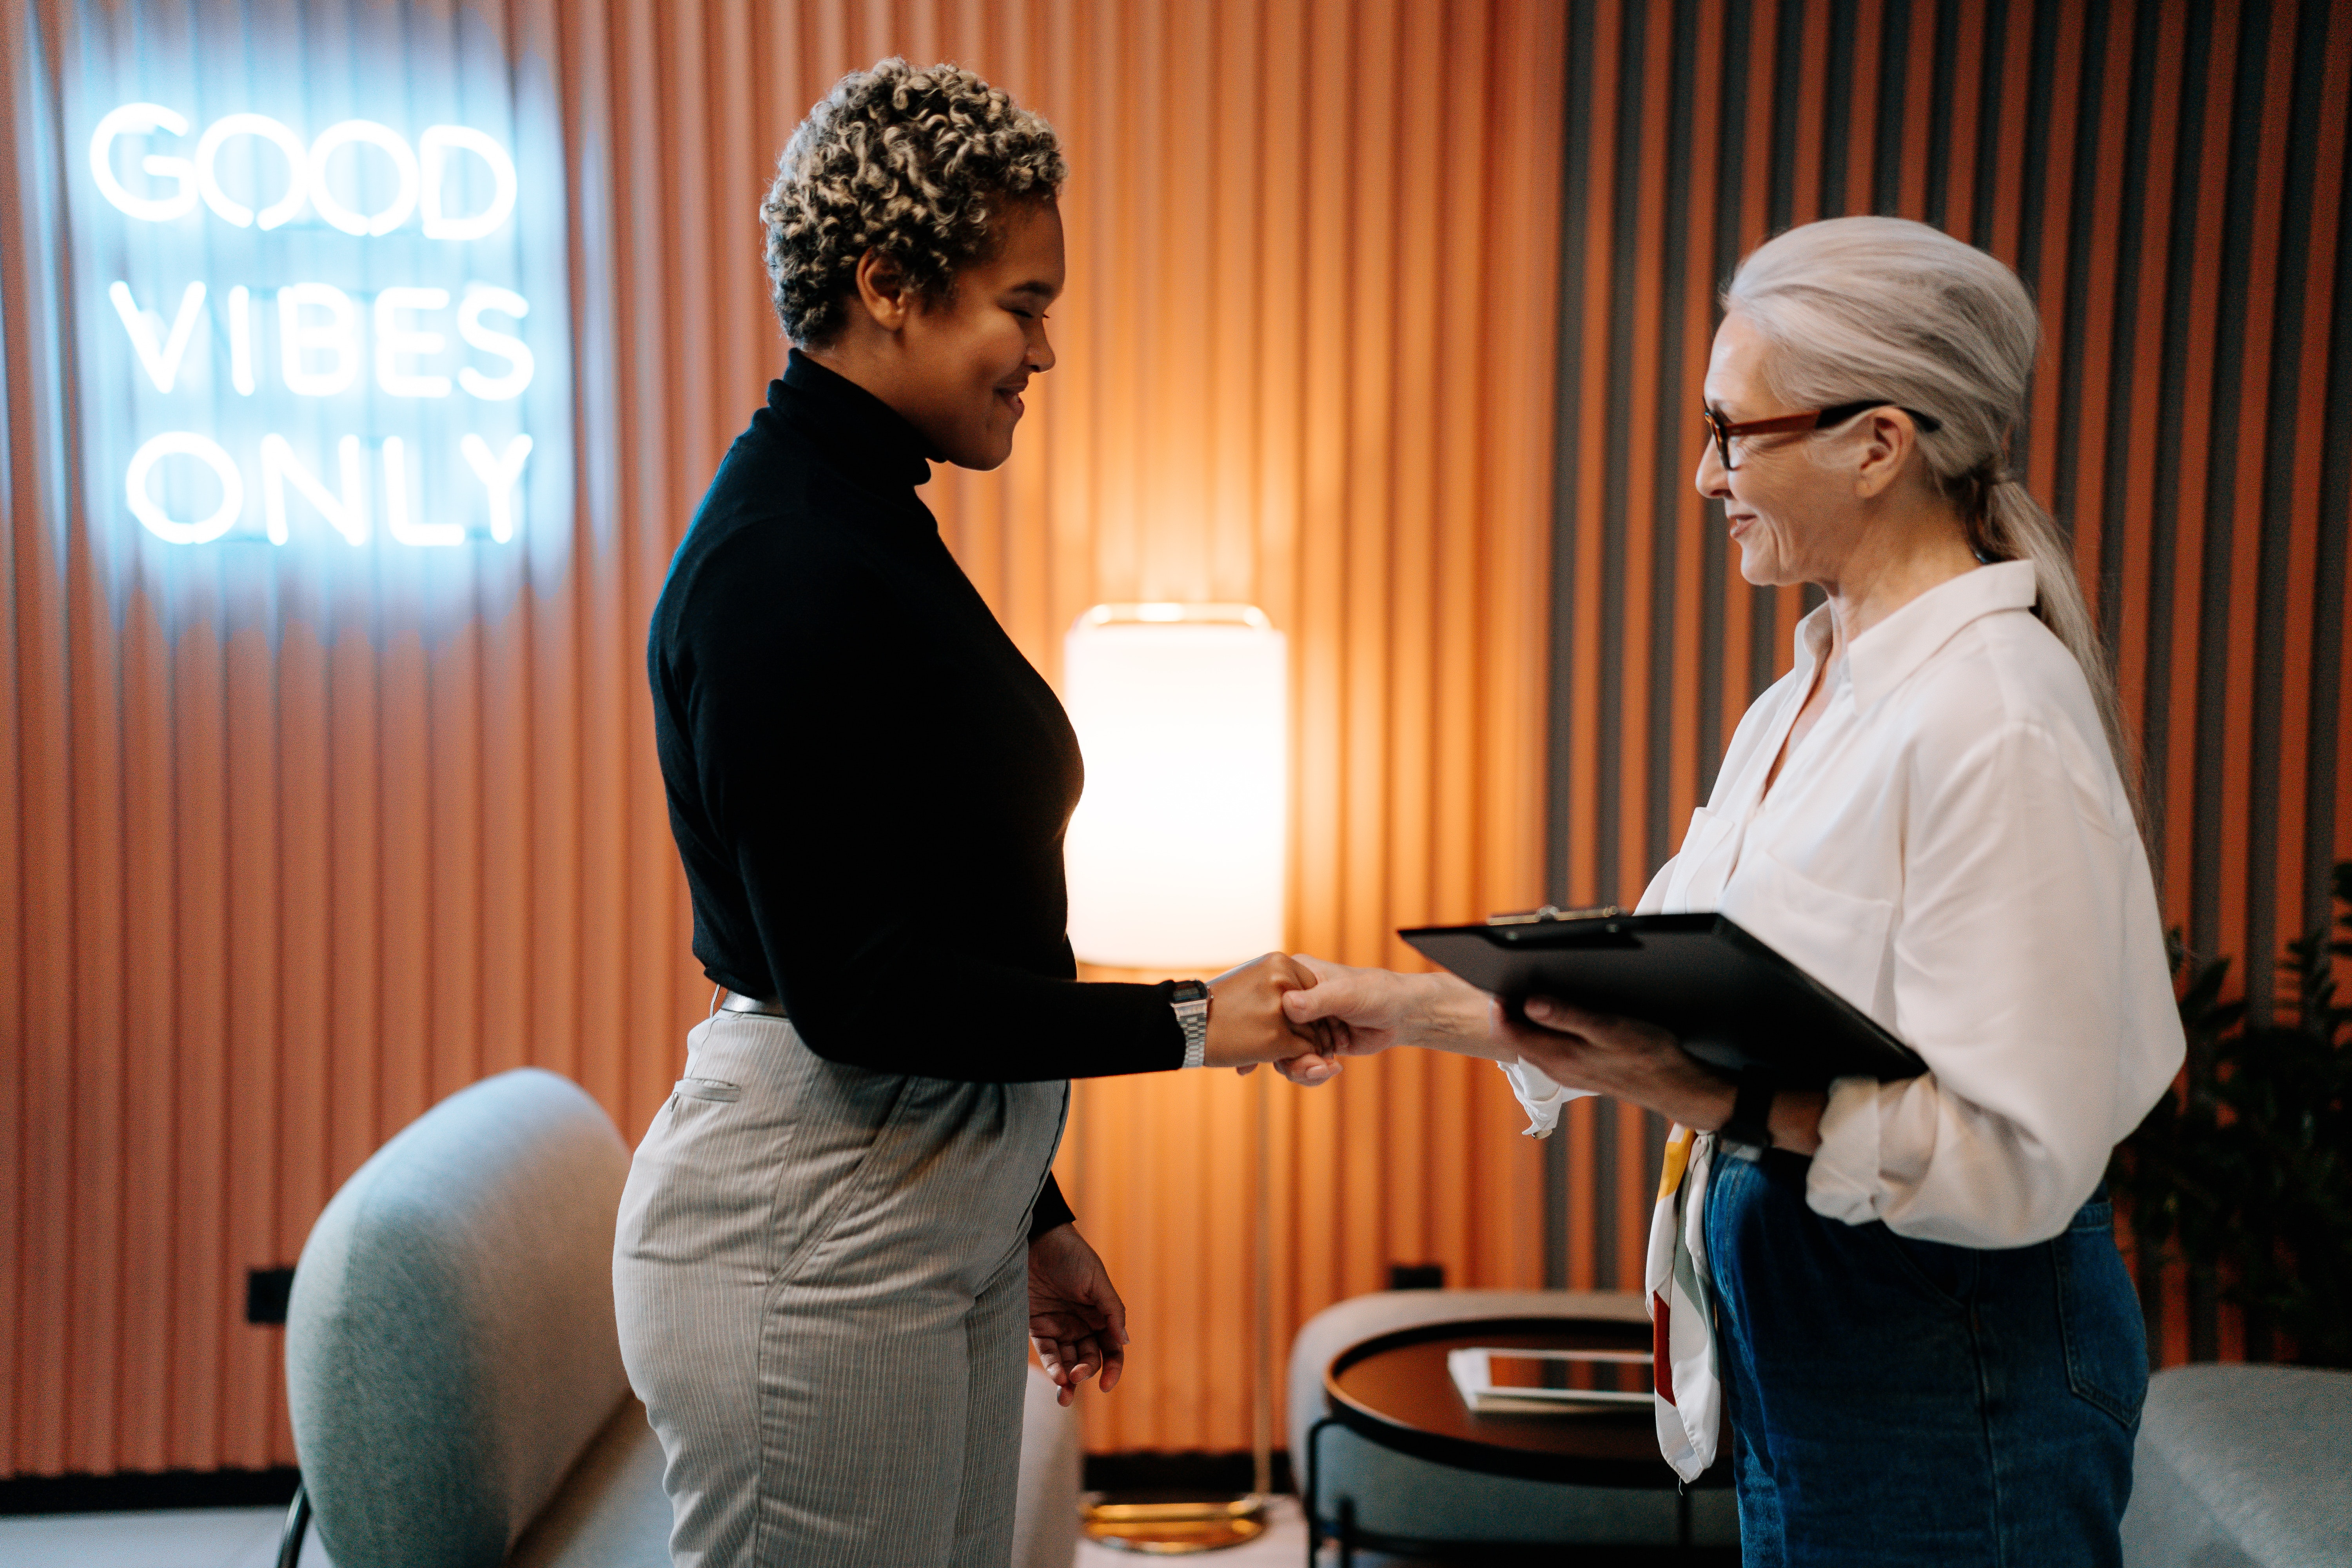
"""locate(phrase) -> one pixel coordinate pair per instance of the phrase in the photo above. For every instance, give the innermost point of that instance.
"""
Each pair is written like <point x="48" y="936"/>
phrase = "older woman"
<point x="1926" y="1344"/>
<point x="833" y="1232"/>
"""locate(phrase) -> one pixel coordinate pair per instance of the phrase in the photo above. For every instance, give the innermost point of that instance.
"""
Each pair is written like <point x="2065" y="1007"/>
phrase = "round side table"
<point x="1393" y="1389"/>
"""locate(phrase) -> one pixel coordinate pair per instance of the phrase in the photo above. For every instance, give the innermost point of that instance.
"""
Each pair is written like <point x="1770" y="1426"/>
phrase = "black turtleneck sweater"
<point x="867" y="782"/>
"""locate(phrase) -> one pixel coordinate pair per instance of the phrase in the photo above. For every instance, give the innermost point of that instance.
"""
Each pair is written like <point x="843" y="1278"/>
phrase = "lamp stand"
<point x="1183" y="1529"/>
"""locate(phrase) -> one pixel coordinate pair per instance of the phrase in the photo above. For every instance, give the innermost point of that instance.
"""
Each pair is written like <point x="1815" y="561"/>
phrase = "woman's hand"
<point x="1639" y="1062"/>
<point x="1075" y="1318"/>
<point x="1626" y="1059"/>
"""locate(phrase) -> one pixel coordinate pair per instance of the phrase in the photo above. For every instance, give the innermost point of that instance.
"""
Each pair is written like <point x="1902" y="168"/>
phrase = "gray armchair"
<point x="452" y="1364"/>
<point x="454" y="1370"/>
<point x="2243" y="1466"/>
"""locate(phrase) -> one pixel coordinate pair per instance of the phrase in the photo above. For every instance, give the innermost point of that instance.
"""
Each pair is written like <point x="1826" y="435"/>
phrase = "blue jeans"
<point x="1894" y="1401"/>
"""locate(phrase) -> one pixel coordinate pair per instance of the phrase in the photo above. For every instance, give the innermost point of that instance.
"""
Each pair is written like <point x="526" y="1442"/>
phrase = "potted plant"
<point x="2244" y="1173"/>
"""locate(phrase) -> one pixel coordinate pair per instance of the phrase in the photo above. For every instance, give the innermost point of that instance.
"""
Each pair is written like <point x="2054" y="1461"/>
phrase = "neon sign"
<point x="324" y="339"/>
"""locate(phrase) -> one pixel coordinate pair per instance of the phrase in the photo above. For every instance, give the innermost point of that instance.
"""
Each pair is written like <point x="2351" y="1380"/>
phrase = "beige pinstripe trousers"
<point x="821" y="1274"/>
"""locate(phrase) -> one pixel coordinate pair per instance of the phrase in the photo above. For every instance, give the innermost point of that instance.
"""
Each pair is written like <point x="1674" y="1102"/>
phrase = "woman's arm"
<point x="822" y="784"/>
<point x="1592" y="1053"/>
<point x="2029" y="971"/>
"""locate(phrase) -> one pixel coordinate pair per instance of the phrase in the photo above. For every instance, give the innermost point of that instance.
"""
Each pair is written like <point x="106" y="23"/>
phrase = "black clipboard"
<point x="1734" y="1003"/>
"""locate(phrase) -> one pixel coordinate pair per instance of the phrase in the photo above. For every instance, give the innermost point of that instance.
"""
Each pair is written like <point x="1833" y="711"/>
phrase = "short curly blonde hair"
<point x="910" y="162"/>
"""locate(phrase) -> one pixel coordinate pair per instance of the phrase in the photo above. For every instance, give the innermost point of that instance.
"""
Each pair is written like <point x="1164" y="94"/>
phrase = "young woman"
<point x="1921" y="1328"/>
<point x="834" y="1230"/>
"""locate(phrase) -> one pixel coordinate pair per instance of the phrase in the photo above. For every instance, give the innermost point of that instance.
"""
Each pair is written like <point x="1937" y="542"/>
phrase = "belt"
<point x="737" y="1002"/>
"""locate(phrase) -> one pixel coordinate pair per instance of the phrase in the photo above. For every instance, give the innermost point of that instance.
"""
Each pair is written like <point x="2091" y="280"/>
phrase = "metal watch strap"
<point x="1191" y="1000"/>
<point x="1751" y="1116"/>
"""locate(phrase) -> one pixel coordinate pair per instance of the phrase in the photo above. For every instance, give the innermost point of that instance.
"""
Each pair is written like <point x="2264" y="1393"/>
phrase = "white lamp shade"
<point x="1178" y="852"/>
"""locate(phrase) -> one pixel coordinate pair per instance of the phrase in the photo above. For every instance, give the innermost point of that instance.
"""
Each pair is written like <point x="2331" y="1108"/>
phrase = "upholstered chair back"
<point x="450" y="1345"/>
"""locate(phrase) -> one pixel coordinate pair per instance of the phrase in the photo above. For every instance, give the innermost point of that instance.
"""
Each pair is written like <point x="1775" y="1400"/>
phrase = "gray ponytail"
<point x="1885" y="308"/>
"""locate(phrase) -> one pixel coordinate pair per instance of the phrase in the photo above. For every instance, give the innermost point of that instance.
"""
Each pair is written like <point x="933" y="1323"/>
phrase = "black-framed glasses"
<point x="1721" y="430"/>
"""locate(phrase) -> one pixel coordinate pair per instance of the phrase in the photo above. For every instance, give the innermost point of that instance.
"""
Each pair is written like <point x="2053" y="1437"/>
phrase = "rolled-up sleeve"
<point x="2029" y="974"/>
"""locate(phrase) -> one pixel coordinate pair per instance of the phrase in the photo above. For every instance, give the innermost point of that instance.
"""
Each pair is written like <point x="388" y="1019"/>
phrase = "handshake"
<point x="1304" y="1015"/>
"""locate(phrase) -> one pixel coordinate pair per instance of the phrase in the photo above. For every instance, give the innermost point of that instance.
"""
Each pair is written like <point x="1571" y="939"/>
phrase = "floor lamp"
<point x="1176" y="858"/>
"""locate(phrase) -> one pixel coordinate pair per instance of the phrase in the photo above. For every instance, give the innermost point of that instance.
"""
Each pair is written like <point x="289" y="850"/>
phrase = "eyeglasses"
<point x="1721" y="430"/>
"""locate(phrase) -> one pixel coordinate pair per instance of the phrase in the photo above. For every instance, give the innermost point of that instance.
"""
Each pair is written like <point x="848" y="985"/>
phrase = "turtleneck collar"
<point x="868" y="435"/>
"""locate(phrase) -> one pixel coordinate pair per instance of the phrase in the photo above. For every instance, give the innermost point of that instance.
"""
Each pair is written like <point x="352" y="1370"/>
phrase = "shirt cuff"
<point x="1051" y="1210"/>
<point x="1539" y="1097"/>
<point x="1844" y="1183"/>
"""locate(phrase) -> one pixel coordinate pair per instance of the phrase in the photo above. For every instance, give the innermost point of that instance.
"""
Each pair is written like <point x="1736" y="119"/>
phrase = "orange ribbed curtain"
<point x="279" y="873"/>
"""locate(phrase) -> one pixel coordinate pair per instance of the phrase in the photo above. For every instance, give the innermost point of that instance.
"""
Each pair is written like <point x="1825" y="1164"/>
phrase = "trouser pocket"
<point x="2099" y="1315"/>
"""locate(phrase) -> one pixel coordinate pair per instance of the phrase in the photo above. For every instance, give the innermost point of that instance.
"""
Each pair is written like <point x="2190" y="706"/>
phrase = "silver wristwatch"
<point x="1191" y="1000"/>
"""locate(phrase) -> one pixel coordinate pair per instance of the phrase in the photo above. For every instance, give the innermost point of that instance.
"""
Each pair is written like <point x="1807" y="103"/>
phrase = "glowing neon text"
<point x="291" y="405"/>
<point x="421" y="182"/>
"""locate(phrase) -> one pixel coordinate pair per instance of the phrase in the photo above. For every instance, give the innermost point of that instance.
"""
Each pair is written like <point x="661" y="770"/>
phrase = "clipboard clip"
<point x="1553" y="913"/>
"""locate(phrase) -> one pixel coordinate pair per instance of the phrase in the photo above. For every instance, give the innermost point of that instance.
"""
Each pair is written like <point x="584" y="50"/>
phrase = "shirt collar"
<point x="1882" y="658"/>
<point x="864" y="433"/>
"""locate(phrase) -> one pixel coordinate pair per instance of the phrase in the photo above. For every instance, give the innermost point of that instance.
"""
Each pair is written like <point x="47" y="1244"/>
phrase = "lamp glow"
<point x="1177" y="855"/>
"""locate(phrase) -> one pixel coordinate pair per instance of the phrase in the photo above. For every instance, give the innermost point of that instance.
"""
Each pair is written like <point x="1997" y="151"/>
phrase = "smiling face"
<point x="974" y="350"/>
<point x="1795" y="519"/>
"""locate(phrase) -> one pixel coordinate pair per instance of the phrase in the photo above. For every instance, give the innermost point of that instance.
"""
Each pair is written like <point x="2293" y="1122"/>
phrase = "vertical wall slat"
<point x="2130" y="526"/>
<point x="305" y="902"/>
<point x="2328" y="825"/>
<point x="199" y="1056"/>
<point x="2200" y="532"/>
<point x="1747" y="647"/>
<point x="2257" y="175"/>
<point x="14" y="470"/>
<point x="43" y="1258"/>
<point x="2310" y="532"/>
<point x="250" y="1363"/>
<point x="95" y="1112"/>
<point x="150" y="1125"/>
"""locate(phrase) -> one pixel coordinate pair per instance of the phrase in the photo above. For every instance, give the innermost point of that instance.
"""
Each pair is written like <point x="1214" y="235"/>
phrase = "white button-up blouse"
<point x="1951" y="849"/>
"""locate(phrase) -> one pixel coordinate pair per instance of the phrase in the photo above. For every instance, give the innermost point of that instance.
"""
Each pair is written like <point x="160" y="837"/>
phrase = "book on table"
<point x="1729" y="999"/>
<point x="1509" y="1382"/>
